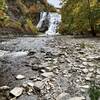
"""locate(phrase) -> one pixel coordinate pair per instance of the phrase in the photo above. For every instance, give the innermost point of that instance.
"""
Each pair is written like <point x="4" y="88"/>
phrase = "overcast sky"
<point x="56" y="3"/>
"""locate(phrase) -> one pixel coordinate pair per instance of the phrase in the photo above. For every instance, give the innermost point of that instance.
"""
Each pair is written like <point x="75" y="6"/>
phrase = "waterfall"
<point x="54" y="21"/>
<point x="43" y="16"/>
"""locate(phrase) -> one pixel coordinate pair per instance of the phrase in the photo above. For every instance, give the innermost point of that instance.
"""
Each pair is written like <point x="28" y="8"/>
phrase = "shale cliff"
<point x="21" y="16"/>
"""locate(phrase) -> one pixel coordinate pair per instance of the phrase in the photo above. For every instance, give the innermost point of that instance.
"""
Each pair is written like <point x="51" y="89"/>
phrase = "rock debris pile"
<point x="61" y="74"/>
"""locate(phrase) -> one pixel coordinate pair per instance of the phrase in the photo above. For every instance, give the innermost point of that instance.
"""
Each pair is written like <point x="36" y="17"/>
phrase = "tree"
<point x="80" y="16"/>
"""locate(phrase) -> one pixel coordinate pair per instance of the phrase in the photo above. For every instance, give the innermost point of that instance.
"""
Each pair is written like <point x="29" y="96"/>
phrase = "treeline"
<point x="80" y="17"/>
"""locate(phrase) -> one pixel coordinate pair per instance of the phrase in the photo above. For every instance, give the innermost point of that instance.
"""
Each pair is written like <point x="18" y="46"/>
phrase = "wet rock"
<point x="20" y="77"/>
<point x="56" y="53"/>
<point x="35" y="79"/>
<point x="17" y="91"/>
<point x="43" y="71"/>
<point x="48" y="59"/>
<point x="26" y="97"/>
<point x="88" y="78"/>
<point x="83" y="59"/>
<point x="4" y="88"/>
<point x="81" y="52"/>
<point x="98" y="71"/>
<point x="90" y="64"/>
<point x="47" y="74"/>
<point x="85" y="86"/>
<point x="31" y="53"/>
<point x="43" y="65"/>
<point x="85" y="63"/>
<point x="13" y="98"/>
<point x="68" y="60"/>
<point x="39" y="84"/>
<point x="44" y="26"/>
<point x="3" y="53"/>
<point x="94" y="57"/>
<point x="77" y="98"/>
<point x="85" y="70"/>
<point x="97" y="76"/>
<point x="36" y="90"/>
<point x="30" y="84"/>
<point x="63" y="96"/>
<point x="91" y="69"/>
<point x="24" y="85"/>
<point x="82" y="66"/>
<point x="49" y="55"/>
<point x="42" y="50"/>
<point x="51" y="68"/>
<point x="35" y="67"/>
<point x="61" y="59"/>
<point x="83" y="90"/>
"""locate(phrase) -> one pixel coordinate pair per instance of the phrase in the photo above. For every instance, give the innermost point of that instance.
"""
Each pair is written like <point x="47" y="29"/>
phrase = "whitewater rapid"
<point x="54" y="20"/>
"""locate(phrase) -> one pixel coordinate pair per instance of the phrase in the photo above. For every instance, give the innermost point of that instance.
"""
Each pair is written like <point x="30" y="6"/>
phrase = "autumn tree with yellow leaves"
<point x="80" y="16"/>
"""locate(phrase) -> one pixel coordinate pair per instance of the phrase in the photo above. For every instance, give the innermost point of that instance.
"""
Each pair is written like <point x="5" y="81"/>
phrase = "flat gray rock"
<point x="47" y="74"/>
<point x="17" y="91"/>
<point x="78" y="98"/>
<point x="20" y="77"/>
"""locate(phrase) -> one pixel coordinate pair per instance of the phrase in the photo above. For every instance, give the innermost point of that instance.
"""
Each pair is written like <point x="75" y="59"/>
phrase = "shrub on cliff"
<point x="30" y="27"/>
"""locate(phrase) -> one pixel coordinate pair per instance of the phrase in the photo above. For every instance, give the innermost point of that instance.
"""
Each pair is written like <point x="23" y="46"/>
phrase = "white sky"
<point x="56" y="3"/>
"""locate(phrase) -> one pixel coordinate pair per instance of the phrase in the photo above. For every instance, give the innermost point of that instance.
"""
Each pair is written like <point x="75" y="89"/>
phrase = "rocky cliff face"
<point x="20" y="15"/>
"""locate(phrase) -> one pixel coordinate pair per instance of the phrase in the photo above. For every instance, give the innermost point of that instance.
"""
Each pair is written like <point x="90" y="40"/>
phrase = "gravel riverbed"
<point x="48" y="68"/>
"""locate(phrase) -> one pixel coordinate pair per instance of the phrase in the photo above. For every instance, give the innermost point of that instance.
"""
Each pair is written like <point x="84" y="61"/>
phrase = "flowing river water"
<point x="54" y="20"/>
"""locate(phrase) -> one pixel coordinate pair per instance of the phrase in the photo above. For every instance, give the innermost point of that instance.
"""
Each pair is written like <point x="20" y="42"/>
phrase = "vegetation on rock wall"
<point x="80" y="16"/>
<point x="22" y="15"/>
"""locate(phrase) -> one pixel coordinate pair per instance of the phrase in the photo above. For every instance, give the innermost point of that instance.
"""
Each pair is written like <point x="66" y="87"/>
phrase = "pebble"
<point x="94" y="57"/>
<point x="91" y="69"/>
<point x="47" y="74"/>
<point x="85" y="86"/>
<point x="85" y="70"/>
<point x="17" y="91"/>
<point x="27" y="97"/>
<point x="83" y="59"/>
<point x="82" y="66"/>
<point x="4" y="88"/>
<point x="30" y="84"/>
<point x="91" y="64"/>
<point x="62" y="96"/>
<point x="97" y="76"/>
<point x="85" y="63"/>
<point x="39" y="84"/>
<point x="20" y="77"/>
<point x="88" y="78"/>
<point x="77" y="98"/>
<point x="98" y="71"/>
<point x="13" y="98"/>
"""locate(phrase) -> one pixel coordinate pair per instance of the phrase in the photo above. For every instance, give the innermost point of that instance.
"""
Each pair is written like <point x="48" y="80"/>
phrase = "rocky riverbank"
<point x="48" y="68"/>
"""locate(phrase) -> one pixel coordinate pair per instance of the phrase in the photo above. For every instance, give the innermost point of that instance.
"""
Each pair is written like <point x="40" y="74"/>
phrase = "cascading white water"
<point x="54" y="21"/>
<point x="43" y="16"/>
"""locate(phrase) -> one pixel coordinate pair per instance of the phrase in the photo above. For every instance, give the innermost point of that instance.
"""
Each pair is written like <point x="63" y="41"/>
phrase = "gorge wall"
<point x="20" y="16"/>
